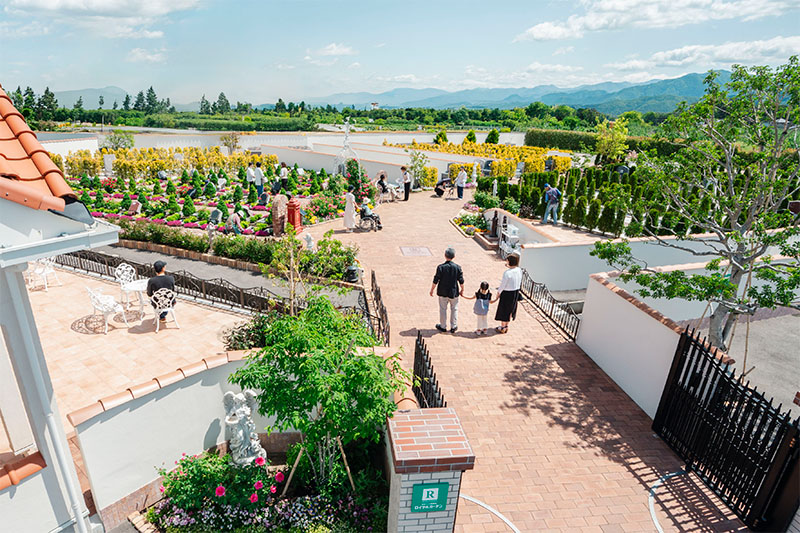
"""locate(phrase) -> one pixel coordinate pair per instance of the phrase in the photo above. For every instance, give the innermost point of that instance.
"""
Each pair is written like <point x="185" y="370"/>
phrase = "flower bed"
<point x="471" y="223"/>
<point x="208" y="493"/>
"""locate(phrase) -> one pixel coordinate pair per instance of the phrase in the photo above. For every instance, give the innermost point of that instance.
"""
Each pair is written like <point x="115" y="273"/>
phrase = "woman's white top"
<point x="284" y="172"/>
<point x="512" y="280"/>
<point x="406" y="177"/>
<point x="461" y="179"/>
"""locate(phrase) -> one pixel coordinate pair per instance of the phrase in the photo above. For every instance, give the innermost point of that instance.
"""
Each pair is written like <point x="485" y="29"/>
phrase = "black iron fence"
<point x="560" y="313"/>
<point x="380" y="317"/>
<point x="217" y="291"/>
<point x="740" y="445"/>
<point x="426" y="386"/>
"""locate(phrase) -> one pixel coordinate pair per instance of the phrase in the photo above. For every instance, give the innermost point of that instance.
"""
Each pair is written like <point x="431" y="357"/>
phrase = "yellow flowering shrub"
<point x="429" y="177"/>
<point x="562" y="163"/>
<point x="534" y="164"/>
<point x="505" y="167"/>
<point x="83" y="162"/>
<point x="455" y="168"/>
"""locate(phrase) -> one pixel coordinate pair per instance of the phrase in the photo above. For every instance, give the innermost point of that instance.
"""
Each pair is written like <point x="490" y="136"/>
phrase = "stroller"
<point x="368" y="220"/>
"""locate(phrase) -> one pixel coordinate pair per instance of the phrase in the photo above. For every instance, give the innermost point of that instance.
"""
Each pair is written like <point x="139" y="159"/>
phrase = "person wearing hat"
<point x="160" y="281"/>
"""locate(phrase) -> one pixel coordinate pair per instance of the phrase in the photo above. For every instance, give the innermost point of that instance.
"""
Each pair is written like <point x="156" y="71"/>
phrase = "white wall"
<point x="567" y="266"/>
<point x="527" y="232"/>
<point x="63" y="148"/>
<point x="35" y="505"/>
<point x="122" y="447"/>
<point x="632" y="347"/>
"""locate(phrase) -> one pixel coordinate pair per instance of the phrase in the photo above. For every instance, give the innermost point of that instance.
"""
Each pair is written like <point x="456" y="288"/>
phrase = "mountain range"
<point x="607" y="97"/>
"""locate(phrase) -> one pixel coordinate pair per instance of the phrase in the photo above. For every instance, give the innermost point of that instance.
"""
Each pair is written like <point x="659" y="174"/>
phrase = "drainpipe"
<point x="22" y="304"/>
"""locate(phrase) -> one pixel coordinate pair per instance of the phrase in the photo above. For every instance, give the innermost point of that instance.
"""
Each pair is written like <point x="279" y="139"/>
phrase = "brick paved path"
<point x="559" y="446"/>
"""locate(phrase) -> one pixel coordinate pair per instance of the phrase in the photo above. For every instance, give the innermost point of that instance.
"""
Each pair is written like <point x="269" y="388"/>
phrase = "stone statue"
<point x="245" y="446"/>
<point x="494" y="188"/>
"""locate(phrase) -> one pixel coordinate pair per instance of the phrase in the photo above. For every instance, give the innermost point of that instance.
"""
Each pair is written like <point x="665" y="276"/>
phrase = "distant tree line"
<point x="147" y="109"/>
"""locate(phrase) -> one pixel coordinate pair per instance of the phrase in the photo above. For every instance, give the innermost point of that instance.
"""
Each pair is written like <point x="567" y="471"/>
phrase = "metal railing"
<point x="559" y="312"/>
<point x="743" y="448"/>
<point x="380" y="317"/>
<point x="216" y="291"/>
<point x="426" y="387"/>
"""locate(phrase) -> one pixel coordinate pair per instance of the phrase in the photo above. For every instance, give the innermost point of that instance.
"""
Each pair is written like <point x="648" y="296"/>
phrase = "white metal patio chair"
<point x="43" y="268"/>
<point x="106" y="305"/>
<point x="125" y="274"/>
<point x="164" y="300"/>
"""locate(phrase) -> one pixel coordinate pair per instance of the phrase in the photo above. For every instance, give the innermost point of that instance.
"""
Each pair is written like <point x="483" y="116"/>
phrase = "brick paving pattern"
<point x="559" y="447"/>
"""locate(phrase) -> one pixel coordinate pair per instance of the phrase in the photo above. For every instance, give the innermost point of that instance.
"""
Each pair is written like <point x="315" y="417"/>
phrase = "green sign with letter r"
<point x="429" y="497"/>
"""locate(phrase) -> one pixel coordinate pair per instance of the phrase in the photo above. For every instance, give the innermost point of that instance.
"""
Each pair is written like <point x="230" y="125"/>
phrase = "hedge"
<point x="582" y="140"/>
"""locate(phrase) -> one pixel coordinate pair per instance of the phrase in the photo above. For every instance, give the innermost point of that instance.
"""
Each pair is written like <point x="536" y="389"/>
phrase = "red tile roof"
<point x="27" y="174"/>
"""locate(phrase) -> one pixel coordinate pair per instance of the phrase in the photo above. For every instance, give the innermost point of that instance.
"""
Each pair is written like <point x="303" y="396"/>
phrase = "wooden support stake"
<point x="346" y="466"/>
<point x="291" y="474"/>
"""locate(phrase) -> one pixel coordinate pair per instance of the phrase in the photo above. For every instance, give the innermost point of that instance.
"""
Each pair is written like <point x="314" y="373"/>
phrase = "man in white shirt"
<point x="259" y="179"/>
<point x="406" y="183"/>
<point x="461" y="181"/>
<point x="251" y="174"/>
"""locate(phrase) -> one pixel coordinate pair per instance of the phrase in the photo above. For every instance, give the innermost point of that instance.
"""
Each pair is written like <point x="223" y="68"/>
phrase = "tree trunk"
<point x="721" y="321"/>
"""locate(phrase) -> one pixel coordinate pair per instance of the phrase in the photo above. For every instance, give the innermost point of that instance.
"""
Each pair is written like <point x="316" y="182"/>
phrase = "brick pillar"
<point x="293" y="215"/>
<point x="429" y="452"/>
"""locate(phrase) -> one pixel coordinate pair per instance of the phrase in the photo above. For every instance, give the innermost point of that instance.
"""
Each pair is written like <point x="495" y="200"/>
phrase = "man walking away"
<point x="552" y="195"/>
<point x="406" y="183"/>
<point x="461" y="181"/>
<point x="160" y="281"/>
<point x="259" y="179"/>
<point x="446" y="283"/>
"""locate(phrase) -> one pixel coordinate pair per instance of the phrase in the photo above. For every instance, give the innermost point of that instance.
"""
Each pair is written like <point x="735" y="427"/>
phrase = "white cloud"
<point x="281" y="66"/>
<point x="771" y="51"/>
<point x="320" y="62"/>
<point x="602" y="15"/>
<point x="550" y="67"/>
<point x="563" y="50"/>
<point x="336" y="49"/>
<point x="400" y="78"/>
<point x="354" y="65"/>
<point x="125" y="19"/>
<point x="380" y="45"/>
<point x="140" y="55"/>
<point x="17" y="30"/>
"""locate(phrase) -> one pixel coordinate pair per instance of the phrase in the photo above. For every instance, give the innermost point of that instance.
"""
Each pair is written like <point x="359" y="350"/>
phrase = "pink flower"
<point x="260" y="461"/>
<point x="273" y="489"/>
<point x="258" y="485"/>
<point x="279" y="477"/>
<point x="253" y="498"/>
<point x="220" y="491"/>
<point x="161" y="488"/>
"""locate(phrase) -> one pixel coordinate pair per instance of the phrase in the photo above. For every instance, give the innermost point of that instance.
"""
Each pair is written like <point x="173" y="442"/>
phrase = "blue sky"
<point x="258" y="51"/>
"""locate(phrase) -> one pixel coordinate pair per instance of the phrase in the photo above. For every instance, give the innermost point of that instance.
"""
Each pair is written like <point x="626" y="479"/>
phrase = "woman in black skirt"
<point x="509" y="294"/>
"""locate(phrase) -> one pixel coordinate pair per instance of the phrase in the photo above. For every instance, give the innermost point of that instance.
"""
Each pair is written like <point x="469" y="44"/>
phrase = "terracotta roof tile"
<point x="27" y="174"/>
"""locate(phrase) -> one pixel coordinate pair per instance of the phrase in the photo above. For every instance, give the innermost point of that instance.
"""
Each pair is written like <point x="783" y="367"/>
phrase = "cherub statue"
<point x="245" y="446"/>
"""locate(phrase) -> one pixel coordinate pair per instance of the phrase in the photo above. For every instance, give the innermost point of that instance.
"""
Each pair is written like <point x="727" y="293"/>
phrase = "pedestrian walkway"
<point x="559" y="446"/>
<point x="241" y="278"/>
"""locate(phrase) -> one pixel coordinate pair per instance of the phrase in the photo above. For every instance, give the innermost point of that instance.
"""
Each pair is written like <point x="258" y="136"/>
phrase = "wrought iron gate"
<point x="426" y="387"/>
<point x="737" y="442"/>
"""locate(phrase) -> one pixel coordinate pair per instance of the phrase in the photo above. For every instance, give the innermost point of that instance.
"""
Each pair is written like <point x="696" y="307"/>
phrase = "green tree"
<point x="312" y="377"/>
<point x="205" y="107"/>
<point x="188" y="207"/>
<point x="171" y="189"/>
<point x="100" y="102"/>
<point x="252" y="196"/>
<point x="78" y="105"/>
<point x="29" y="99"/>
<point x="151" y="104"/>
<point x="231" y="141"/>
<point x="612" y="139"/>
<point x="733" y="154"/>
<point x="441" y="137"/>
<point x="172" y="205"/>
<point x="16" y="98"/>
<point x="139" y="103"/>
<point x="238" y="194"/>
<point x="493" y="137"/>
<point x="593" y="216"/>
<point x="118" y="139"/>
<point x="126" y="103"/>
<point x="222" y="104"/>
<point x="470" y="138"/>
<point x="47" y="105"/>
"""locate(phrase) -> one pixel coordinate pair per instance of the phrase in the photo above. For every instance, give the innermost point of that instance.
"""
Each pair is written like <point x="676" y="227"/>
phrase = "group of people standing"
<point x="448" y="282"/>
<point x="256" y="176"/>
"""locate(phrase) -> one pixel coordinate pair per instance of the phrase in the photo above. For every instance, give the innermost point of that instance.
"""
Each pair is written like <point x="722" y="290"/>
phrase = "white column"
<point x="36" y="389"/>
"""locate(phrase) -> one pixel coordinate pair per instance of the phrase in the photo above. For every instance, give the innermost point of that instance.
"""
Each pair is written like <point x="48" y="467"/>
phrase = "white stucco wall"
<point x="122" y="447"/>
<point x="36" y="504"/>
<point x="66" y="146"/>
<point x="527" y="232"/>
<point x="632" y="347"/>
<point x="567" y="266"/>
